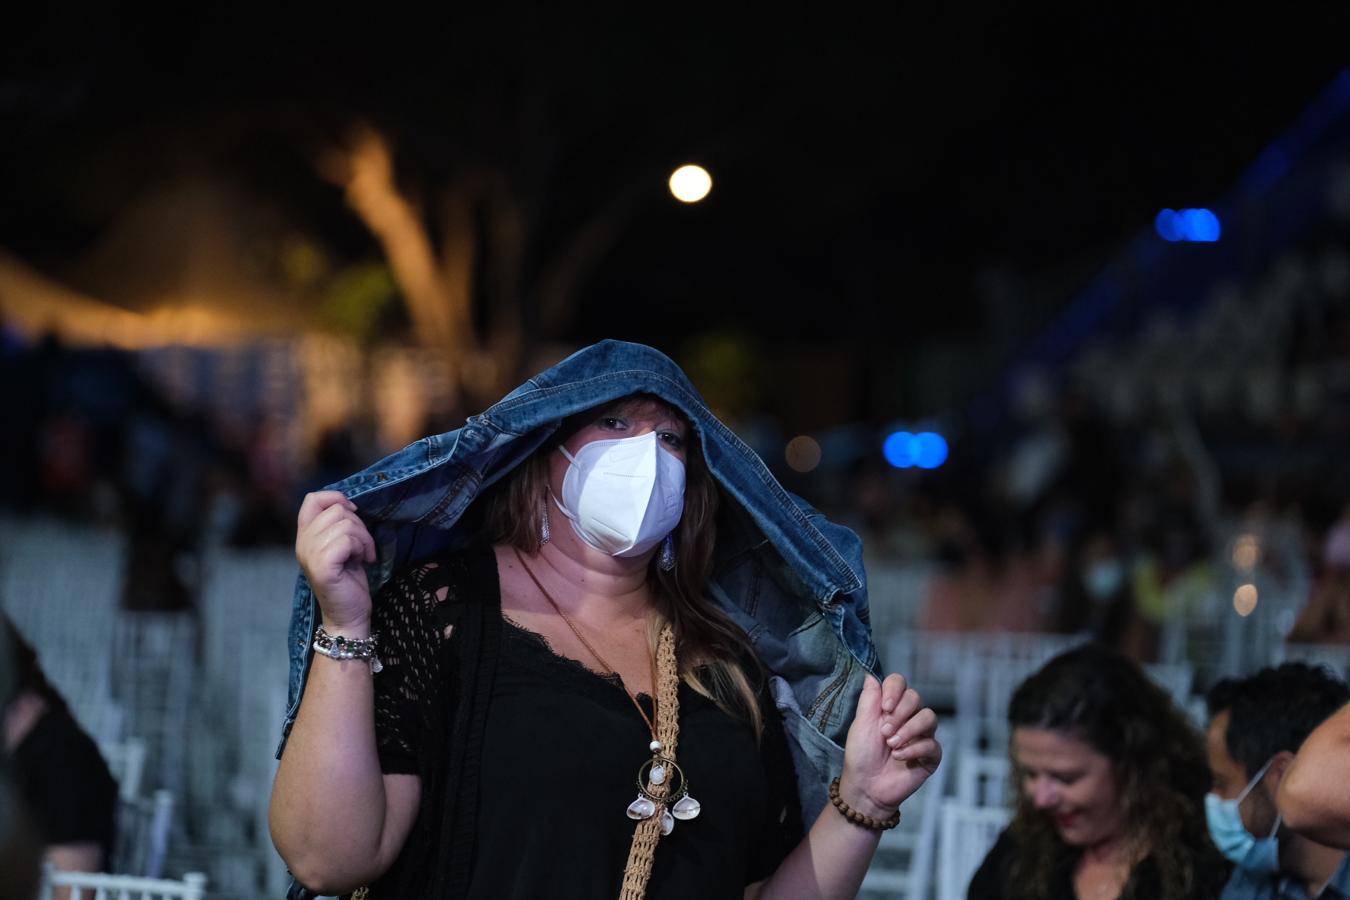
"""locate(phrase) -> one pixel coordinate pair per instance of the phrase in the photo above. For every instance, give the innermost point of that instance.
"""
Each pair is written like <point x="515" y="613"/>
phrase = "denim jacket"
<point x="791" y="578"/>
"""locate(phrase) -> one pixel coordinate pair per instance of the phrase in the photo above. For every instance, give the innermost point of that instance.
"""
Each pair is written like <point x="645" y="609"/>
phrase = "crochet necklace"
<point x="663" y="792"/>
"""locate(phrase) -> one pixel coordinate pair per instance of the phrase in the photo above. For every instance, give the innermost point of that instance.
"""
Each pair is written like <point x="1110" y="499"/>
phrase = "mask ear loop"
<point x="1251" y="785"/>
<point x="572" y="460"/>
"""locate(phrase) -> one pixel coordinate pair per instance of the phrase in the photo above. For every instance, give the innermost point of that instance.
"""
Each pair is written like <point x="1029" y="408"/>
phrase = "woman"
<point x="1113" y="780"/>
<point x="494" y="751"/>
<point x="62" y="782"/>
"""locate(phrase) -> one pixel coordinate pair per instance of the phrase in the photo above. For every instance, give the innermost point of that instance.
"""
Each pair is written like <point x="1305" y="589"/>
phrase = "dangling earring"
<point x="666" y="560"/>
<point x="543" y="526"/>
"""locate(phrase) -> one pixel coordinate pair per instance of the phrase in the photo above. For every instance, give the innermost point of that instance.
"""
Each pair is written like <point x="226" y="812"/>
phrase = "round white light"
<point x="690" y="183"/>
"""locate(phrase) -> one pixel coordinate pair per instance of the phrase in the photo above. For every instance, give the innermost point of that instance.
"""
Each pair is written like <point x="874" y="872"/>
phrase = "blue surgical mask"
<point x="1257" y="855"/>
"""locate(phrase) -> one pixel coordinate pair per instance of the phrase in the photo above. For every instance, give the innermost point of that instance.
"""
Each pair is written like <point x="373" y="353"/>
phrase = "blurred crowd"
<point x="91" y="438"/>
<point x="1137" y="482"/>
<point x="1068" y="518"/>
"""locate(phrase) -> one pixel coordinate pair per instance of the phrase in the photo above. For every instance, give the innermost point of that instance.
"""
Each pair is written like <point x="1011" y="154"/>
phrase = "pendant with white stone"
<point x="686" y="808"/>
<point x="641" y="808"/>
<point x="662" y="790"/>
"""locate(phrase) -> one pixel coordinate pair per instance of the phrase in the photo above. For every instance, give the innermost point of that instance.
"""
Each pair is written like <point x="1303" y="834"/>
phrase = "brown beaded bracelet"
<point x="858" y="818"/>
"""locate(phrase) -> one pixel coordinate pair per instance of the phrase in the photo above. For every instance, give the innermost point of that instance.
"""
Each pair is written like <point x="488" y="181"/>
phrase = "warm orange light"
<point x="1246" y="552"/>
<point x="1244" y="600"/>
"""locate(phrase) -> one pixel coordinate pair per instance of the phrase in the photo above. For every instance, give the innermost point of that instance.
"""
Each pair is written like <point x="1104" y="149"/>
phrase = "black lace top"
<point x="560" y="750"/>
<point x="994" y="881"/>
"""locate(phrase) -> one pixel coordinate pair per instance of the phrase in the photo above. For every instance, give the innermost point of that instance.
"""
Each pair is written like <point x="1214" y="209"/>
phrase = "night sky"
<point x="871" y="171"/>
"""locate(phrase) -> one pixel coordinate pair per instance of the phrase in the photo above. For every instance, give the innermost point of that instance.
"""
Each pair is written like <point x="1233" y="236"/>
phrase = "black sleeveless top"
<point x="556" y="758"/>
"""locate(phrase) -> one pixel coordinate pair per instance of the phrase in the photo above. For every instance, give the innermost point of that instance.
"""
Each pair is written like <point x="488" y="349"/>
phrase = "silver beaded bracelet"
<point x="340" y="647"/>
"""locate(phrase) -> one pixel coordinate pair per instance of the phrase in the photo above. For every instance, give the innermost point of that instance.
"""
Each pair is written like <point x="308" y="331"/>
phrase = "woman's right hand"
<point x="331" y="544"/>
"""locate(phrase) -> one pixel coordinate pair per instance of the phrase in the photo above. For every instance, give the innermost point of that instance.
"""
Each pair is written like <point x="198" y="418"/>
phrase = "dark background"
<point x="882" y="179"/>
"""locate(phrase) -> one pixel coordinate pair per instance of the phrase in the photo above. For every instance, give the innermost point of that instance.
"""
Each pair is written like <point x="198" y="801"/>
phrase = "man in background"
<point x="1257" y="724"/>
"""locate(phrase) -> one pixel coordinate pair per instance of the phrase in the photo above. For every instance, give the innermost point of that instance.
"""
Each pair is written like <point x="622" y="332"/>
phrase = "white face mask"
<point x="624" y="495"/>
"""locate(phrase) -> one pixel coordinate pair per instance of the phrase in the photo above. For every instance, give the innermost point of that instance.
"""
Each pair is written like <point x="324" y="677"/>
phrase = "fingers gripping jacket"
<point x="643" y="850"/>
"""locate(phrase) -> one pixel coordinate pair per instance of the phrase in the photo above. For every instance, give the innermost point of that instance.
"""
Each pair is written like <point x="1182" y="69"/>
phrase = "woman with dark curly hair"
<point x="1112" y="784"/>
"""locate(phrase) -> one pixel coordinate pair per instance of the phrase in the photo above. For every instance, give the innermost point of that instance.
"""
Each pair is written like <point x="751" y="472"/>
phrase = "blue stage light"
<point x="901" y="450"/>
<point x="931" y="450"/>
<point x="1167" y="225"/>
<point x="1201" y="225"/>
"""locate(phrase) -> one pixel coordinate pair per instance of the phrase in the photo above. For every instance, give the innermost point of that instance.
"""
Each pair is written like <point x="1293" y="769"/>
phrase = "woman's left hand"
<point x="891" y="748"/>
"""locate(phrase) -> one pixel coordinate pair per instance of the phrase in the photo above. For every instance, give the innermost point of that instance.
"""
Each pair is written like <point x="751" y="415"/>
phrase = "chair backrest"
<point x="143" y="826"/>
<point x="99" y="715"/>
<point x="931" y="661"/>
<point x="982" y="779"/>
<point x="102" y="886"/>
<point x="126" y="762"/>
<point x="1333" y="657"/>
<point x="993" y="666"/>
<point x="1175" y="678"/>
<point x="155" y="676"/>
<point x="64" y="611"/>
<point x="968" y="833"/>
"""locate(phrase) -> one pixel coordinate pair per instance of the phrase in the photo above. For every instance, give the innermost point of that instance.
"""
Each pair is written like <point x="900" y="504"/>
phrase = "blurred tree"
<point x="482" y="224"/>
<point x="357" y="297"/>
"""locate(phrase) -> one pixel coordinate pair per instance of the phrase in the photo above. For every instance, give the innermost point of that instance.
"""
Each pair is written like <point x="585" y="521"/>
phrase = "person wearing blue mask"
<point x="586" y="647"/>
<point x="1256" y="726"/>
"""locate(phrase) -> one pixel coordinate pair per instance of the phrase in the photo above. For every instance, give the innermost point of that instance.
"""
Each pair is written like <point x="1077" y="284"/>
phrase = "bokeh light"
<point x="803" y="453"/>
<point x="1166" y="224"/>
<point x="931" y="450"/>
<point x="1197" y="225"/>
<point x="1244" y="600"/>
<point x="925" y="450"/>
<point x="1200" y="225"/>
<point x="900" y="450"/>
<point x="1246" y="552"/>
<point x="690" y="184"/>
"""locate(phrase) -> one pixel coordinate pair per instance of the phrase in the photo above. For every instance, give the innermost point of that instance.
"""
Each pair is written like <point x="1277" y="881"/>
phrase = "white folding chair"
<point x="244" y="607"/>
<point x="968" y="833"/>
<point x="1330" y="656"/>
<point x="99" y="715"/>
<point x="102" y="886"/>
<point x="982" y="780"/>
<point x="935" y="659"/>
<point x="143" y="826"/>
<point x="126" y="762"/>
<point x="903" y="865"/>
<point x="60" y="585"/>
<point x="994" y="664"/>
<point x="155" y="676"/>
<point x="1175" y="678"/>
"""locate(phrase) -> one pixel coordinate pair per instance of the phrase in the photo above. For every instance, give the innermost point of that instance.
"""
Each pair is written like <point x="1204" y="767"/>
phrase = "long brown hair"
<point x="716" y="658"/>
<point x="1158" y="762"/>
